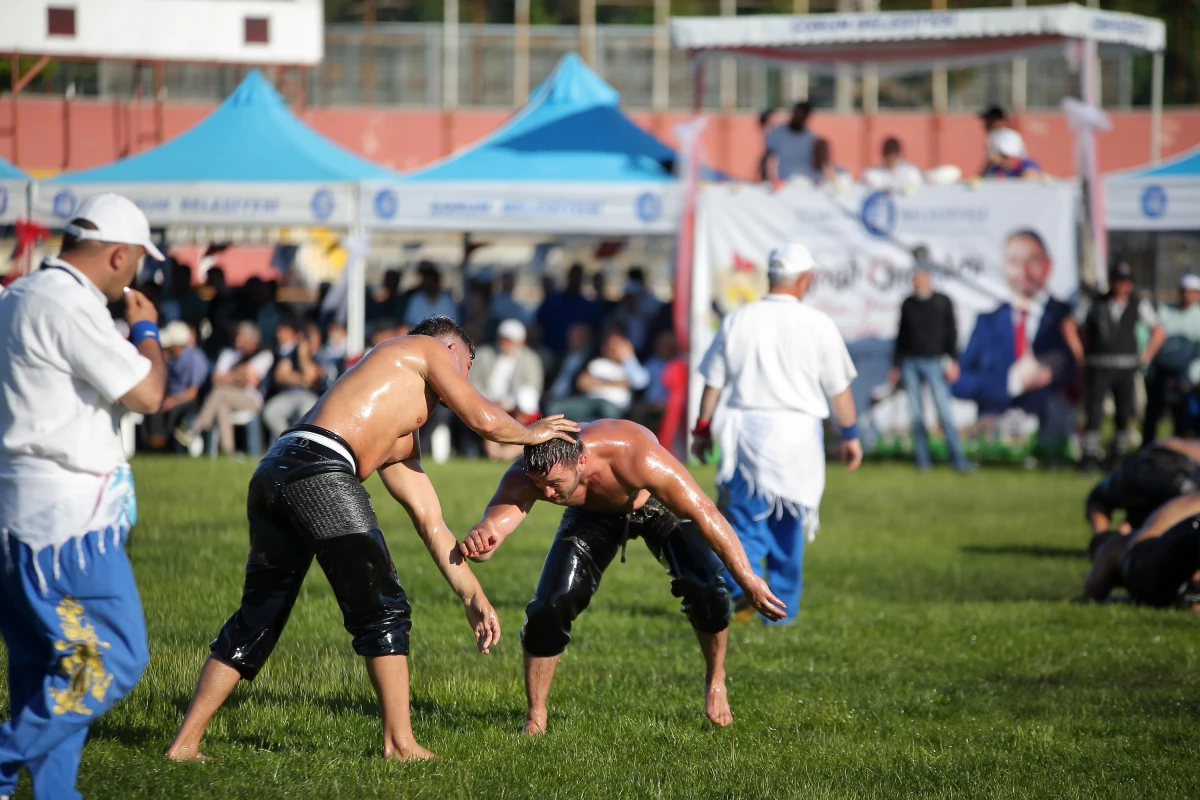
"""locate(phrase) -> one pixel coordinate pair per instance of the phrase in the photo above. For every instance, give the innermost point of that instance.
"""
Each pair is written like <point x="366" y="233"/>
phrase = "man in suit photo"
<point x="1016" y="356"/>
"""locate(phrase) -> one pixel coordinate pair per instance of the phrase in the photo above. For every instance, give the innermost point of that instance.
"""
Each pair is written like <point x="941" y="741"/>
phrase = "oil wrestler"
<point x="1155" y="474"/>
<point x="618" y="483"/>
<point x="306" y="500"/>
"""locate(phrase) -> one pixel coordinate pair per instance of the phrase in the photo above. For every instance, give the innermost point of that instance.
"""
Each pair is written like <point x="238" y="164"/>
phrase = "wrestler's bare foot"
<point x="185" y="752"/>
<point x="535" y="723"/>
<point x="409" y="751"/>
<point x="716" y="705"/>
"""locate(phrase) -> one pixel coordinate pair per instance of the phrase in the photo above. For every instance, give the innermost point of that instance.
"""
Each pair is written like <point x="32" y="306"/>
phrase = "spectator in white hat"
<point x="1176" y="368"/>
<point x="1006" y="156"/>
<point x="510" y="374"/>
<point x="771" y="375"/>
<point x="187" y="372"/>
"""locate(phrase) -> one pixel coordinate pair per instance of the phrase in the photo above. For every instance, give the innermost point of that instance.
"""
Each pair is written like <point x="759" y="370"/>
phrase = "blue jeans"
<point x="74" y="650"/>
<point x="774" y="543"/>
<point x="914" y="372"/>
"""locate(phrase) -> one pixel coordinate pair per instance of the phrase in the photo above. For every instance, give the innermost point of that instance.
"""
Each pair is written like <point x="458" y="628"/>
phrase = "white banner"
<point x="204" y="203"/>
<point x="581" y="208"/>
<point x="1153" y="204"/>
<point x="12" y="201"/>
<point x="989" y="243"/>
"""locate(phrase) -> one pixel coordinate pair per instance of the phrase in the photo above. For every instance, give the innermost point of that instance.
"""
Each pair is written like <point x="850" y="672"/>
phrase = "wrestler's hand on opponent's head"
<point x="763" y="600"/>
<point x="483" y="620"/>
<point x="478" y="545"/>
<point x="555" y="426"/>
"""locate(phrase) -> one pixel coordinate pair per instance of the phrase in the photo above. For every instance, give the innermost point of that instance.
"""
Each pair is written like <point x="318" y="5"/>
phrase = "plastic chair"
<point x="254" y="434"/>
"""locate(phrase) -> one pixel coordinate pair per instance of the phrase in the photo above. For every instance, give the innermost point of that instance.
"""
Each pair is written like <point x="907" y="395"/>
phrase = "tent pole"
<point x="1156" y="109"/>
<point x="356" y="282"/>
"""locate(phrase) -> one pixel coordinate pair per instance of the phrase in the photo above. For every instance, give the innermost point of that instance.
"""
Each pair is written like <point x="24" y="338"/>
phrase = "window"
<point x="60" y="21"/>
<point x="257" y="30"/>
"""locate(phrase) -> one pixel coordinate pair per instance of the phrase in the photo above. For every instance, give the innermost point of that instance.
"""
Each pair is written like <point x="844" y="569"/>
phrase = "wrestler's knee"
<point x="706" y="601"/>
<point x="548" y="618"/>
<point x="384" y="629"/>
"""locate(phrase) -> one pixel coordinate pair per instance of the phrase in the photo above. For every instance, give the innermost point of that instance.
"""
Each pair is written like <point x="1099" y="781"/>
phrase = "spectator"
<point x="183" y="301"/>
<point x="222" y="313"/>
<point x="895" y="173"/>
<point x="1176" y="369"/>
<point x="994" y="118"/>
<point x="560" y="310"/>
<point x="764" y="125"/>
<point x="428" y="300"/>
<point x="237" y="376"/>
<point x="510" y="375"/>
<point x="1102" y="335"/>
<point x="579" y="350"/>
<point x="504" y="302"/>
<point x="332" y="354"/>
<point x="790" y="147"/>
<point x="606" y="386"/>
<point x="600" y="291"/>
<point x="295" y="381"/>
<point x="637" y="310"/>
<point x="925" y="354"/>
<point x="649" y="410"/>
<point x="187" y="371"/>
<point x="824" y="170"/>
<point x="386" y="302"/>
<point x="1006" y="157"/>
<point x="476" y="315"/>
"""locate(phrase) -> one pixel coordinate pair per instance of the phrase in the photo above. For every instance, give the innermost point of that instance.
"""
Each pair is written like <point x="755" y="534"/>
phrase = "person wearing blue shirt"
<point x="560" y="310"/>
<point x="187" y="372"/>
<point x="1007" y="158"/>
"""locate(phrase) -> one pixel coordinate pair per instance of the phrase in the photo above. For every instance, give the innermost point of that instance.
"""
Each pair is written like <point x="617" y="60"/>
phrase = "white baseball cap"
<point x="1190" y="282"/>
<point x="1006" y="142"/>
<point x="511" y="329"/>
<point x="117" y="219"/>
<point x="176" y="334"/>
<point x="790" y="259"/>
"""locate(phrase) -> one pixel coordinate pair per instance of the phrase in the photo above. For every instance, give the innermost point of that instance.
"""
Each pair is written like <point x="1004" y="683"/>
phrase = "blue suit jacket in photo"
<point x="990" y="353"/>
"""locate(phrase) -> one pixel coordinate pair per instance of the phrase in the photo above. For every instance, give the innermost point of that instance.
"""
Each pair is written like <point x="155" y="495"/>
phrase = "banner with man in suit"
<point x="1004" y="252"/>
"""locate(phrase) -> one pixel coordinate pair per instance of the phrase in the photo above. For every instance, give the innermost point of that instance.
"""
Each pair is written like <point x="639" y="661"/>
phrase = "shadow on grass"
<point x="1034" y="550"/>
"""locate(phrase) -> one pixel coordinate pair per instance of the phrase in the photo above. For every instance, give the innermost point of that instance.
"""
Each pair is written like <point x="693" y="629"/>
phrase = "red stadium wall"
<point x="55" y="136"/>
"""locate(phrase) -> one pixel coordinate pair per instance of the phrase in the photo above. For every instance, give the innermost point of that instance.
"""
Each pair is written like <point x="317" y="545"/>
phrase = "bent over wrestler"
<point x="306" y="501"/>
<point x="1159" y="564"/>
<point x="1154" y="475"/>
<point x="618" y="484"/>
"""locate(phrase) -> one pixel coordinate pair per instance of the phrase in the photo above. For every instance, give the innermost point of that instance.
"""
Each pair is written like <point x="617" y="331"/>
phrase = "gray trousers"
<point x="284" y="409"/>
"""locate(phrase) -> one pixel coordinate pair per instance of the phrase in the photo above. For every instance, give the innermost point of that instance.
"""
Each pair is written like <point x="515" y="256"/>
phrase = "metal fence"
<point x="403" y="65"/>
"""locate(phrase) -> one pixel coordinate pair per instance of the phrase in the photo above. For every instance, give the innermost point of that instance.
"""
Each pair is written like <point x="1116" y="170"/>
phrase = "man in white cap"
<point x="768" y="374"/>
<point x="1007" y="158"/>
<point x="69" y="608"/>
<point x="509" y="374"/>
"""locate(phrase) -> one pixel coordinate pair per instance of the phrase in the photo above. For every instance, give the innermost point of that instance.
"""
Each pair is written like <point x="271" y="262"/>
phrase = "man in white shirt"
<point x="896" y="173"/>
<point x="69" y="609"/>
<point x="790" y="147"/>
<point x="767" y="375"/>
<point x="606" y="385"/>
<point x="237" y="375"/>
<point x="510" y="375"/>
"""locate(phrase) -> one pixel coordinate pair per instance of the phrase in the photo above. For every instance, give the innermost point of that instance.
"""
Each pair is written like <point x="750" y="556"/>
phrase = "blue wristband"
<point x="141" y="331"/>
<point x="850" y="431"/>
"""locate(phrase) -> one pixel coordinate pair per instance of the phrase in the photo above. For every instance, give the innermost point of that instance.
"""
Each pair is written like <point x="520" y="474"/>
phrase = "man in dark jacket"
<point x="926" y="353"/>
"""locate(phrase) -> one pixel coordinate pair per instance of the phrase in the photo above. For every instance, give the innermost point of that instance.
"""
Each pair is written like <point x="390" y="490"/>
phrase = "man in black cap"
<point x="1102" y="335"/>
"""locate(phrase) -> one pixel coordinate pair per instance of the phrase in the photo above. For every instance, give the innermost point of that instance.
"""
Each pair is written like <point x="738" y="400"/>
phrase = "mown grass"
<point x="937" y="654"/>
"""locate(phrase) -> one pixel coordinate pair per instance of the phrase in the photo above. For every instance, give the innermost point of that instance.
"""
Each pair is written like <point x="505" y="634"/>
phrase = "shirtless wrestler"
<point x="1156" y="473"/>
<point x="306" y="500"/>
<point x="618" y="483"/>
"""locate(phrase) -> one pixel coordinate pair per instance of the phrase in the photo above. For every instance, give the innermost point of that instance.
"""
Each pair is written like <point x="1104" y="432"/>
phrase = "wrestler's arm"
<point x="1169" y="515"/>
<point x="1105" y="572"/>
<point x="408" y="483"/>
<point x="508" y="507"/>
<point x="480" y="414"/>
<point x="646" y="464"/>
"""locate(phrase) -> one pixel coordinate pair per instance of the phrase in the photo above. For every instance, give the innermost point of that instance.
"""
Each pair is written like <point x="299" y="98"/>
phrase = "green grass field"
<point x="937" y="654"/>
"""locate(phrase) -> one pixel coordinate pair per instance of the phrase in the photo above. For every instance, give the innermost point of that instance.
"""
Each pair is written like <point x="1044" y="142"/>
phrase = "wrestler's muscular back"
<point x="378" y="404"/>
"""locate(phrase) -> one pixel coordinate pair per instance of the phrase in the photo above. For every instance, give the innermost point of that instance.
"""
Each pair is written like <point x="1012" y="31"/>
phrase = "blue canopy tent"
<point x="13" y="183"/>
<point x="569" y="162"/>
<point x="1162" y="197"/>
<point x="249" y="162"/>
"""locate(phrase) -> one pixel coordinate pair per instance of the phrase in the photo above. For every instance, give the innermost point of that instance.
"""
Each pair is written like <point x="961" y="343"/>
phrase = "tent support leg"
<point x="1156" y="109"/>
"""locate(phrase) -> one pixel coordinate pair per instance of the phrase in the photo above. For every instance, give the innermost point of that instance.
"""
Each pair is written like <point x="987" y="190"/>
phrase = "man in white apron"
<point x="767" y="375"/>
<point x="69" y="609"/>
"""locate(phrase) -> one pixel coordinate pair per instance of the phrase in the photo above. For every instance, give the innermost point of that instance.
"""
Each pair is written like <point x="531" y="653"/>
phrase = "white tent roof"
<point x="914" y="39"/>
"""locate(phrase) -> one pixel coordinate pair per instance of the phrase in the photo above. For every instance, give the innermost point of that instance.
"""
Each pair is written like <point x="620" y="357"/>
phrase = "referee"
<point x="767" y="376"/>
<point x="69" y="609"/>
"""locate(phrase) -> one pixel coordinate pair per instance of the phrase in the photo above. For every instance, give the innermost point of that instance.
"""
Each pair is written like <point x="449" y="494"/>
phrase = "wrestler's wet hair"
<point x="441" y="328"/>
<point x="541" y="458"/>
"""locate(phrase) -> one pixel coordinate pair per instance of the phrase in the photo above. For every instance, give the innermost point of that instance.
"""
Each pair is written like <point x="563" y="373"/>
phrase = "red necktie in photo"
<point x="1019" y="334"/>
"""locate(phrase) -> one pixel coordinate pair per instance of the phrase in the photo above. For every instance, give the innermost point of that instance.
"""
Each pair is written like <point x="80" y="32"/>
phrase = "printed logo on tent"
<point x="3" y="200"/>
<point x="386" y="204"/>
<point x="322" y="204"/>
<point x="1154" y="201"/>
<point x="649" y="206"/>
<point x="64" y="204"/>
<point x="878" y="214"/>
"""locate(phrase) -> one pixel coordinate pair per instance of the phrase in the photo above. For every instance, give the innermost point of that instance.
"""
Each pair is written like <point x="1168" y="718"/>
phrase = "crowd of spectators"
<point x="794" y="152"/>
<point x="238" y="358"/>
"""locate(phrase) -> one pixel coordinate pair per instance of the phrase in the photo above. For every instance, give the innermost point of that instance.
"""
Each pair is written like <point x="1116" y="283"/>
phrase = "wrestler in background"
<point x="1159" y="564"/>
<point x="1154" y="475"/>
<point x="306" y="500"/>
<point x="618" y="483"/>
